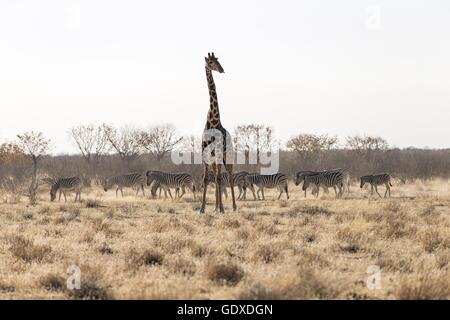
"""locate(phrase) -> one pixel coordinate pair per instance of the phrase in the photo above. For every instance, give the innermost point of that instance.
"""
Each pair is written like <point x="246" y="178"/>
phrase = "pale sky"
<point x="338" y="67"/>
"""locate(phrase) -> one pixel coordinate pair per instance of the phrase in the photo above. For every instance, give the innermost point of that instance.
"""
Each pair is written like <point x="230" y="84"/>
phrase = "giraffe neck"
<point x="213" y="120"/>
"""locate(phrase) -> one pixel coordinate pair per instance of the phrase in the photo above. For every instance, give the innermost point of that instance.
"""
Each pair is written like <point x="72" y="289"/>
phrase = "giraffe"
<point x="213" y="124"/>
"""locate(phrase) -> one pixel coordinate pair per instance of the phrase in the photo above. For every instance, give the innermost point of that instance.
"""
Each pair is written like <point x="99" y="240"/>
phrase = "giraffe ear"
<point x="206" y="59"/>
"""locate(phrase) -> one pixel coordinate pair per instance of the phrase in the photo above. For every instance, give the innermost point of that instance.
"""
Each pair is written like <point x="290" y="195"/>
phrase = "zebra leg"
<point x="65" y="198"/>
<point x="281" y="192"/>
<point x="193" y="190"/>
<point x="287" y="192"/>
<point x="117" y="190"/>
<point x="142" y="188"/>
<point x="121" y="191"/>
<point x="205" y="183"/>
<point x="225" y="192"/>
<point x="376" y="189"/>
<point x="262" y="192"/>
<point x="170" y="193"/>
<point x="240" y="192"/>
<point x="252" y="187"/>
<point x="183" y="191"/>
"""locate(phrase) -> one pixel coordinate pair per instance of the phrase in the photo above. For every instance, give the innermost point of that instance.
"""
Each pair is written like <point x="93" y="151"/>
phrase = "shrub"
<point x="225" y="274"/>
<point x="27" y="251"/>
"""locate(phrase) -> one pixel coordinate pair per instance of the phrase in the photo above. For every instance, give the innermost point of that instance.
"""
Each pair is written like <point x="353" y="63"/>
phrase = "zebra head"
<point x="298" y="178"/>
<point x="363" y="179"/>
<point x="53" y="191"/>
<point x="150" y="177"/>
<point x="212" y="63"/>
<point x="105" y="184"/>
<point x="306" y="182"/>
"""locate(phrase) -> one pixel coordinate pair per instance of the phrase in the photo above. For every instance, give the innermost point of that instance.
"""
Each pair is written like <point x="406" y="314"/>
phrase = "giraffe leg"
<point x="229" y="168"/>
<point x="219" y="204"/>
<point x="205" y="183"/>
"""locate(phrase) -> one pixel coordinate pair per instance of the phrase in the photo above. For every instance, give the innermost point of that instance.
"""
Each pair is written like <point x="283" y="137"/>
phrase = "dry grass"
<point x="136" y="248"/>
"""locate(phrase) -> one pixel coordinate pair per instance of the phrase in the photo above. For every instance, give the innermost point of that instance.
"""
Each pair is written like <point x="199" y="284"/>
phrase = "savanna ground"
<point x="136" y="248"/>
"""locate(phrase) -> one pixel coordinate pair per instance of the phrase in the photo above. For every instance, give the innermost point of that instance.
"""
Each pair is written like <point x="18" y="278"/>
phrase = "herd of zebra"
<point x="338" y="179"/>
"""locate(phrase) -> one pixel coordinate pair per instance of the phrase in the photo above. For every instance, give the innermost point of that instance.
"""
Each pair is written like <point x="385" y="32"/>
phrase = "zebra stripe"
<point x="66" y="184"/>
<point x="136" y="180"/>
<point x="238" y="180"/>
<point x="278" y="180"/>
<point x="167" y="180"/>
<point x="325" y="179"/>
<point x="375" y="181"/>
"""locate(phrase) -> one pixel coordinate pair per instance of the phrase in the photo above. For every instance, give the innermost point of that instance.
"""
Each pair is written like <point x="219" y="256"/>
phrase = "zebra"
<point x="130" y="180"/>
<point x="346" y="179"/>
<point x="375" y="181"/>
<point x="167" y="180"/>
<point x="65" y="184"/>
<point x="325" y="179"/>
<point x="278" y="180"/>
<point x="299" y="178"/>
<point x="238" y="180"/>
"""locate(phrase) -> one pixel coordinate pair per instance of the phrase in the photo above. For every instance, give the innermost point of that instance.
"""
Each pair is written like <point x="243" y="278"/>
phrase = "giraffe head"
<point x="212" y="63"/>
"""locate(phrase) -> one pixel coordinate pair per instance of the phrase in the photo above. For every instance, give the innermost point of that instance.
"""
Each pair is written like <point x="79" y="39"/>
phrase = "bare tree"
<point x="311" y="143"/>
<point x="126" y="142"/>
<point x="243" y="139"/>
<point x="160" y="140"/>
<point x="366" y="143"/>
<point x="312" y="148"/>
<point x="255" y="137"/>
<point x="34" y="145"/>
<point x="91" y="141"/>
